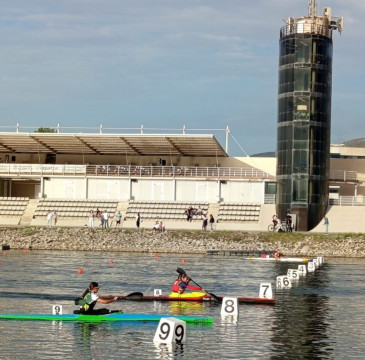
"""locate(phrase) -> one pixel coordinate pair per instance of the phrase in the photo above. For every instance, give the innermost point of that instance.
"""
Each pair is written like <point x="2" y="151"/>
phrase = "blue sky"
<point x="205" y="64"/>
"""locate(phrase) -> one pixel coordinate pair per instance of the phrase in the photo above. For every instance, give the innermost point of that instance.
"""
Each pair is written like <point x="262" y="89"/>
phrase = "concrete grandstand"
<point x="159" y="176"/>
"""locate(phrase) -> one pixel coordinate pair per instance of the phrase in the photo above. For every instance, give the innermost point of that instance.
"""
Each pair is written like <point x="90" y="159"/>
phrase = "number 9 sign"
<point x="170" y="330"/>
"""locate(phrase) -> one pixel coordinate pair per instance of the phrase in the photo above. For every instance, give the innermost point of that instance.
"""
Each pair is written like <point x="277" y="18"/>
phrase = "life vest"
<point x="86" y="304"/>
<point x="176" y="287"/>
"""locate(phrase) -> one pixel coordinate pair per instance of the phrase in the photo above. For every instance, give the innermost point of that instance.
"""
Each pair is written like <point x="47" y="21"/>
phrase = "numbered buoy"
<point x="293" y="274"/>
<point x="315" y="261"/>
<point x="302" y="270"/>
<point x="265" y="291"/>
<point x="57" y="309"/>
<point x="80" y="271"/>
<point x="229" y="306"/>
<point x="311" y="266"/>
<point x="170" y="330"/>
<point x="283" y="282"/>
<point x="320" y="260"/>
<point x="157" y="292"/>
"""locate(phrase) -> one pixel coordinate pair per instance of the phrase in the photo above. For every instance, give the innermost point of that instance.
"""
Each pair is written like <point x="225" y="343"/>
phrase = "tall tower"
<point x="304" y="116"/>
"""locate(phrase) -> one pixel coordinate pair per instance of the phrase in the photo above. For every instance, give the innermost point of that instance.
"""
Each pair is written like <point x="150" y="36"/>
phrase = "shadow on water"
<point x="302" y="318"/>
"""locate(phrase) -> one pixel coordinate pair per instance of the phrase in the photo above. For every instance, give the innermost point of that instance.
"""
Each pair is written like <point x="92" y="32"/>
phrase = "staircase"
<point x="29" y="211"/>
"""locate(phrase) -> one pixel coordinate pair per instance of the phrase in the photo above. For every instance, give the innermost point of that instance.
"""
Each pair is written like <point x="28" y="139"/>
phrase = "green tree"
<point x="45" y="130"/>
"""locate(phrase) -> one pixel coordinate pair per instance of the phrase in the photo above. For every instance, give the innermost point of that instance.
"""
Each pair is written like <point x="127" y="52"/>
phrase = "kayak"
<point x="105" y="318"/>
<point x="282" y="259"/>
<point x="194" y="296"/>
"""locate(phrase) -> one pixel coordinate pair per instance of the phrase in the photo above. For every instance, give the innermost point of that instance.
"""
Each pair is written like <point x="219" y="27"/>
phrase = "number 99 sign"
<point x="170" y="330"/>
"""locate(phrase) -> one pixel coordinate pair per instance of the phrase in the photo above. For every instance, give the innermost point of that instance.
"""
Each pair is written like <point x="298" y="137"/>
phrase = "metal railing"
<point x="177" y="171"/>
<point x="348" y="201"/>
<point x="343" y="176"/>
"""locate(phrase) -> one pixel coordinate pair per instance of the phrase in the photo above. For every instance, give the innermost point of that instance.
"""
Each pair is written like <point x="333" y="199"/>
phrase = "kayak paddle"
<point x="182" y="272"/>
<point x="132" y="296"/>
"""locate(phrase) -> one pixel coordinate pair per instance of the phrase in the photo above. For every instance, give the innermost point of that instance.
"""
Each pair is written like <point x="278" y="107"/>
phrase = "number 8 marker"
<point x="229" y="306"/>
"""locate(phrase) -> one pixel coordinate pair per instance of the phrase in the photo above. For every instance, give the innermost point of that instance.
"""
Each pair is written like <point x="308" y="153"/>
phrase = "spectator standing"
<point x="55" y="216"/>
<point x="106" y="219"/>
<point x="138" y="220"/>
<point x="211" y="222"/>
<point x="49" y="218"/>
<point x="118" y="218"/>
<point x="205" y="222"/>
<point x="326" y="223"/>
<point x="289" y="226"/>
<point x="91" y="219"/>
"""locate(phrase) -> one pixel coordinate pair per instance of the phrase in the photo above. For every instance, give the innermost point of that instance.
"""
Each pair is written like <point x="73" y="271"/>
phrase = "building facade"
<point x="304" y="116"/>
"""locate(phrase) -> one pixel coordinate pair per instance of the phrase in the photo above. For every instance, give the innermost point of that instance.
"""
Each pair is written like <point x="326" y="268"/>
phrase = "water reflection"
<point x="169" y="351"/>
<point x="301" y="320"/>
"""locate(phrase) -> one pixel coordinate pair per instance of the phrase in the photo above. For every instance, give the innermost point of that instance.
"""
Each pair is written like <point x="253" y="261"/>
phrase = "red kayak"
<point x="194" y="296"/>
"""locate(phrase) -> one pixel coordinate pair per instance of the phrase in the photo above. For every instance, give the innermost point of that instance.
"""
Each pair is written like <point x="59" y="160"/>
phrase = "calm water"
<point x="321" y="317"/>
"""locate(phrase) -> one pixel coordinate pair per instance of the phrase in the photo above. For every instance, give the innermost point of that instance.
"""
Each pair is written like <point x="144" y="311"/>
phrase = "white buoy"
<point x="229" y="306"/>
<point x="283" y="282"/>
<point x="316" y="263"/>
<point x="293" y="274"/>
<point x="157" y="292"/>
<point x="170" y="330"/>
<point x="320" y="260"/>
<point x="57" y="310"/>
<point x="302" y="270"/>
<point x="265" y="291"/>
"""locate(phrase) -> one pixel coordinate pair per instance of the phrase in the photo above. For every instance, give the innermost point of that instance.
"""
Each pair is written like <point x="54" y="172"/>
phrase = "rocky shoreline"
<point x="182" y="241"/>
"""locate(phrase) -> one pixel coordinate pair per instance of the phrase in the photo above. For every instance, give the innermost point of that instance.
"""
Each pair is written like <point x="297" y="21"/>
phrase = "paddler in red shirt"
<point x="182" y="283"/>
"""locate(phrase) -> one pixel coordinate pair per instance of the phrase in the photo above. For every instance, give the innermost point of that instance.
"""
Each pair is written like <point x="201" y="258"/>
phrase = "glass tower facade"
<point x="304" y="120"/>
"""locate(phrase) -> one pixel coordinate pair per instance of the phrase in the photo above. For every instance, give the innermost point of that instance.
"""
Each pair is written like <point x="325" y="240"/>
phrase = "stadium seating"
<point x="233" y="212"/>
<point x="172" y="210"/>
<point x="69" y="208"/>
<point x="13" y="206"/>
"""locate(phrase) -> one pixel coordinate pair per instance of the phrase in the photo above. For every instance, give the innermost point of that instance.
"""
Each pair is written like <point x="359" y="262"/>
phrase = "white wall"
<point x="111" y="189"/>
<point x="247" y="192"/>
<point x="153" y="189"/>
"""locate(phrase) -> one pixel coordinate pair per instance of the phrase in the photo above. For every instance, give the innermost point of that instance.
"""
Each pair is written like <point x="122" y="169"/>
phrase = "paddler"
<point x="277" y="255"/>
<point x="182" y="283"/>
<point x="89" y="299"/>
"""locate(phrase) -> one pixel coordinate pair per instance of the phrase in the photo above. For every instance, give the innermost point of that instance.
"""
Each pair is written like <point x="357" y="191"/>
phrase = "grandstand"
<point x="158" y="176"/>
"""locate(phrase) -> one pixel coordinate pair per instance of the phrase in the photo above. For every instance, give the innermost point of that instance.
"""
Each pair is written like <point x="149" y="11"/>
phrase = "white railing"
<point x="177" y="171"/>
<point x="269" y="198"/>
<point x="342" y="175"/>
<point x="348" y="201"/>
<point x="46" y="169"/>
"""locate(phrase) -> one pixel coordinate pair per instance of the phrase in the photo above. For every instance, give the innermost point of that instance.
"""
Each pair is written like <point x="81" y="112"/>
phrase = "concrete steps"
<point x="29" y="211"/>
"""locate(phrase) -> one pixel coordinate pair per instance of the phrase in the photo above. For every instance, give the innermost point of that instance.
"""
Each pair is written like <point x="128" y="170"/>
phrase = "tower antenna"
<point x="312" y="8"/>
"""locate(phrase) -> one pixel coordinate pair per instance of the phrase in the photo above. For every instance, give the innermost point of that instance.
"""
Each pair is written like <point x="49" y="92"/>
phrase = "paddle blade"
<point x="134" y="296"/>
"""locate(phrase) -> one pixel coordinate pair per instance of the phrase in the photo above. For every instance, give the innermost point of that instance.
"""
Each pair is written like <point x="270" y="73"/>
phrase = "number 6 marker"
<point x="283" y="282"/>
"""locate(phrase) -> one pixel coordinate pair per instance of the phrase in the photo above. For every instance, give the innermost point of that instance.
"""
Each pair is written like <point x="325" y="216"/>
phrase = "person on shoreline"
<point x="182" y="283"/>
<point x="88" y="300"/>
<point x="326" y="223"/>
<point x="138" y="220"/>
<point x="278" y="254"/>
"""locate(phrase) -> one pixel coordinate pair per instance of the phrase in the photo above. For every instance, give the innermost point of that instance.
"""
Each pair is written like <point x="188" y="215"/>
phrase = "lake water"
<point x="321" y="317"/>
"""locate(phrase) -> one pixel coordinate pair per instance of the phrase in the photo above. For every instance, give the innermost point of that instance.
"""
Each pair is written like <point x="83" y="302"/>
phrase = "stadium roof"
<point x="111" y="144"/>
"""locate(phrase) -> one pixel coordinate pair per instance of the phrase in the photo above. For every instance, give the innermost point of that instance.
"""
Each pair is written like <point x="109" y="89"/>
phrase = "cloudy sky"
<point x="205" y="64"/>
